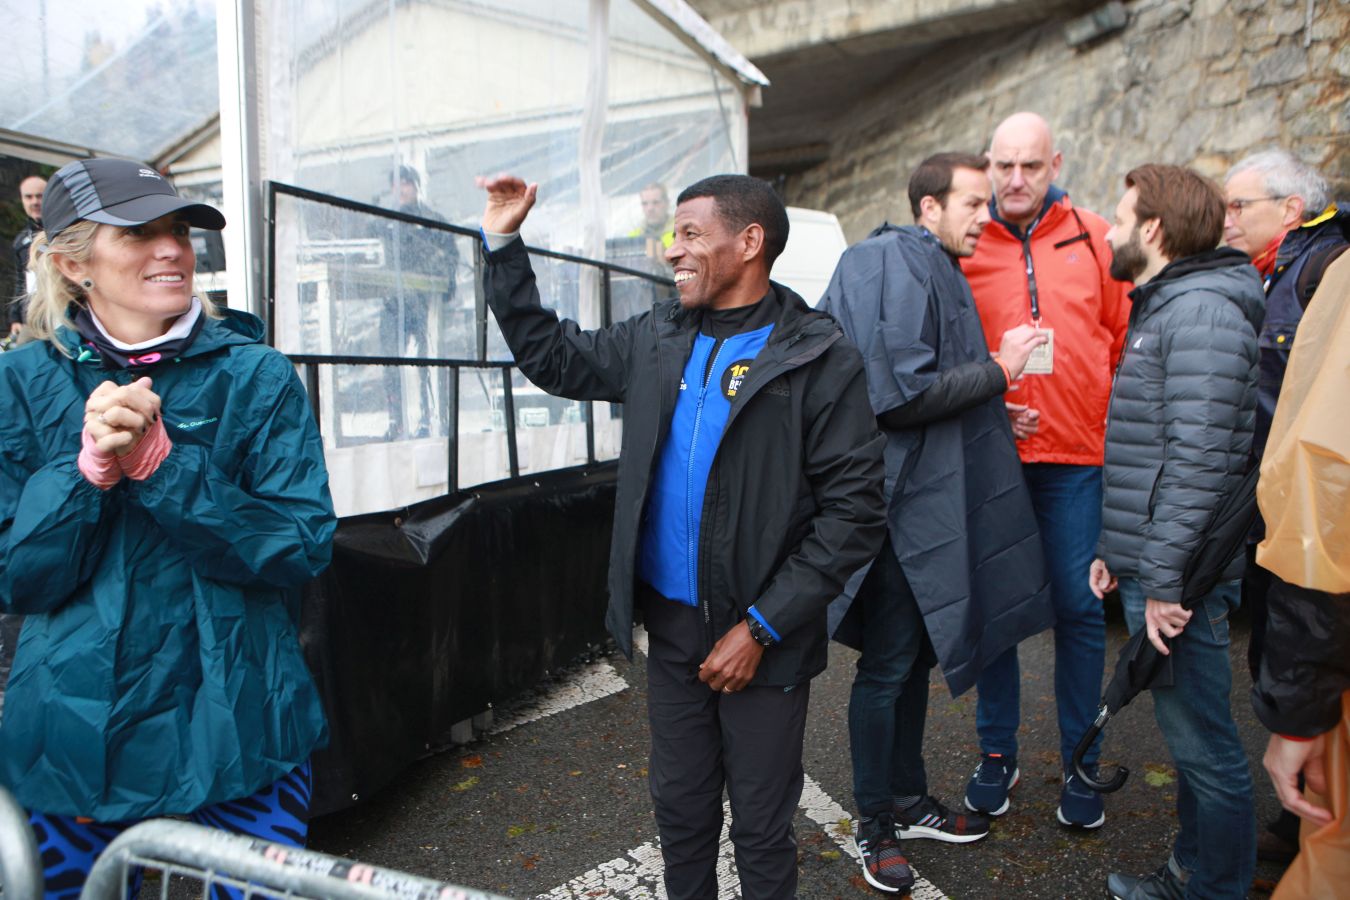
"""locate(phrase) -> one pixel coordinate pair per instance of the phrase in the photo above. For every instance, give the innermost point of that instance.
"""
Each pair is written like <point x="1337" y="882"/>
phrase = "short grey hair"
<point x="1285" y="175"/>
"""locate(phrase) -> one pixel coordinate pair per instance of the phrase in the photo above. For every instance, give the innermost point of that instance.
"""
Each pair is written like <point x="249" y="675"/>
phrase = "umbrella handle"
<point x="1117" y="779"/>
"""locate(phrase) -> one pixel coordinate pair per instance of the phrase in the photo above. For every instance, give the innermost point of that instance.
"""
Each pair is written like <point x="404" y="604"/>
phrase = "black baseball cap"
<point x="117" y="192"/>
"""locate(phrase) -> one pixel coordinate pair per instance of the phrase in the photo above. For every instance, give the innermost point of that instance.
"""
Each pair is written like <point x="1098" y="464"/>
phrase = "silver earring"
<point x="87" y="284"/>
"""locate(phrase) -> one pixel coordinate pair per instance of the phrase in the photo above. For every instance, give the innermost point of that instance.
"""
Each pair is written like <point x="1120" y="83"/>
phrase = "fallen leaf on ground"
<point x="1158" y="776"/>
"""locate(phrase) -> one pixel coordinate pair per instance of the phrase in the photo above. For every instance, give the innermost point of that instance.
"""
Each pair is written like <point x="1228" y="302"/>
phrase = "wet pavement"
<point x="557" y="806"/>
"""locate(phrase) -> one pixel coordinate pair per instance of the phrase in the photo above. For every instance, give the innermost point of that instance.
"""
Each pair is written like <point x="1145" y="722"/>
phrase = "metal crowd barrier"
<point x="20" y="867"/>
<point x="249" y="867"/>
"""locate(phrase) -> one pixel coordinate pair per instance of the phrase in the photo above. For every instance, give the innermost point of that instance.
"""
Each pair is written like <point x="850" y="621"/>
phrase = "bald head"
<point x="30" y="195"/>
<point x="1023" y="164"/>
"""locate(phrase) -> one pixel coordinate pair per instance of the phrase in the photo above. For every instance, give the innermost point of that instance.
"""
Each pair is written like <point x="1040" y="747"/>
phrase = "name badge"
<point x="1042" y="358"/>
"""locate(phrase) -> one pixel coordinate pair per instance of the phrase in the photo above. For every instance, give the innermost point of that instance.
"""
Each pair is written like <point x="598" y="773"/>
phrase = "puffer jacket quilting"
<point x="1179" y="426"/>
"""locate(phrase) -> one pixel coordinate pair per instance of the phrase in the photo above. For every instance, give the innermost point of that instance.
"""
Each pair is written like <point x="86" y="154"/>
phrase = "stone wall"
<point x="1197" y="82"/>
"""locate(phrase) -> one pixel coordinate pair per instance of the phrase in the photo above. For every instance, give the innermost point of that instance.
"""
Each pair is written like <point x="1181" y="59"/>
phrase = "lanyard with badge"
<point x="1042" y="358"/>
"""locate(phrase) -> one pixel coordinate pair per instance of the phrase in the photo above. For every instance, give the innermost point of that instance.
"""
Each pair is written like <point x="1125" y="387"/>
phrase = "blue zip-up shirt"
<point x="714" y="372"/>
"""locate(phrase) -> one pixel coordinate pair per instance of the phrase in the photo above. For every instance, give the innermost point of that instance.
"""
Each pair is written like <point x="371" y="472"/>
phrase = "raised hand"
<point x="509" y="200"/>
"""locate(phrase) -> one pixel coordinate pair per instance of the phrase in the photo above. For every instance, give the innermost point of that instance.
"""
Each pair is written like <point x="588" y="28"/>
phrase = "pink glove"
<point x="142" y="462"/>
<point x="98" y="468"/>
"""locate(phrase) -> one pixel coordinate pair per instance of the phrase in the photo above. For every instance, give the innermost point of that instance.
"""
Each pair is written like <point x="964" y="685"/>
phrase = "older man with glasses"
<point x="1280" y="213"/>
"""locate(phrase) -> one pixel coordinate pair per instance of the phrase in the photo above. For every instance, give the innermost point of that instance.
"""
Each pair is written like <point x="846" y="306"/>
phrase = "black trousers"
<point x="749" y="741"/>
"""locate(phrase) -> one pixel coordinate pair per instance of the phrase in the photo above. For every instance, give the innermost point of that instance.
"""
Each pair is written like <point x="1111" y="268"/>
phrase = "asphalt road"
<point x="559" y="806"/>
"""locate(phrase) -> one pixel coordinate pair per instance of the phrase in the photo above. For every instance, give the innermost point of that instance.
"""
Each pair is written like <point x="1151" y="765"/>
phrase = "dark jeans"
<point x="889" y="703"/>
<point x="749" y="741"/>
<point x="1217" y="838"/>
<point x="1255" y="587"/>
<point x="1068" y="504"/>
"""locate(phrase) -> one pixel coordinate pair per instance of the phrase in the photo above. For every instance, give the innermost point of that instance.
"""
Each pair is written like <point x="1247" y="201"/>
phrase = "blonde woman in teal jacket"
<point x="163" y="497"/>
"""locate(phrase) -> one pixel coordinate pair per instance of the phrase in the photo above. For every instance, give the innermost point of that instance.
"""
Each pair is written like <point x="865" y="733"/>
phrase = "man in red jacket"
<point x="1041" y="261"/>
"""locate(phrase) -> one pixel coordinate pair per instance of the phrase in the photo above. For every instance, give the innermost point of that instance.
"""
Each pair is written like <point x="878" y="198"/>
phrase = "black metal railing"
<point x="449" y="369"/>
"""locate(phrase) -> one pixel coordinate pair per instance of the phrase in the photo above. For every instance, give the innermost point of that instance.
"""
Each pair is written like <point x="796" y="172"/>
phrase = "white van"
<point x="815" y="243"/>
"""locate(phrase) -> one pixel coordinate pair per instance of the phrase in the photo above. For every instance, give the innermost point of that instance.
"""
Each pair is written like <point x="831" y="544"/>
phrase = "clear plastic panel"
<point x="483" y="450"/>
<point x="353" y="284"/>
<point x="130" y="77"/>
<point x="560" y="289"/>
<point x="451" y="91"/>
<point x="357" y="90"/>
<point x="673" y="119"/>
<point x="550" y="431"/>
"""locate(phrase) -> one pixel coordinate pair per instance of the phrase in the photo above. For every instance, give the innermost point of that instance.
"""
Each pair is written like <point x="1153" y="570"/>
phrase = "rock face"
<point x="1197" y="82"/>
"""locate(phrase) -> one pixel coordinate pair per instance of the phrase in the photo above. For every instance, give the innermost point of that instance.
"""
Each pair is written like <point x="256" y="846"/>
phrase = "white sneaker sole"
<point x="870" y="879"/>
<point x="915" y="832"/>
<point x="1101" y="820"/>
<point x="1007" y="801"/>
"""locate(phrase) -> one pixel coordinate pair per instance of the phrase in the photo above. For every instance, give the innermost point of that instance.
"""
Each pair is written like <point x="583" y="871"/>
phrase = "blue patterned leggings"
<point x="69" y="845"/>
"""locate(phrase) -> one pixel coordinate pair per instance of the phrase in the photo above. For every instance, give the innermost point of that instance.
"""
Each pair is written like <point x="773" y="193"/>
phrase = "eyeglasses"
<point x="1235" y="207"/>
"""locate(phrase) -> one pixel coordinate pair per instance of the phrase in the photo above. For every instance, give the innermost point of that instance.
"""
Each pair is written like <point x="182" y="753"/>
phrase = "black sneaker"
<point x="883" y="865"/>
<point x="1079" y="805"/>
<point x="988" y="789"/>
<point x="930" y="819"/>
<point x="1168" y="883"/>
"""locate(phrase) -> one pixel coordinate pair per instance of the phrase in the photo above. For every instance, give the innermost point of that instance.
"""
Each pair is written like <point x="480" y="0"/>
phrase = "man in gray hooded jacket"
<point x="1178" y="435"/>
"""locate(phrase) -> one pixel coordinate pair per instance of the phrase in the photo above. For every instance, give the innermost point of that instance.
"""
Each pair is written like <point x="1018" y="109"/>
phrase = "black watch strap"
<point x="759" y="632"/>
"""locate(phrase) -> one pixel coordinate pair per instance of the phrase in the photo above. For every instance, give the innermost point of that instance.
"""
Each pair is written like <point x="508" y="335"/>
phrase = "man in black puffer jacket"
<point x="1178" y="436"/>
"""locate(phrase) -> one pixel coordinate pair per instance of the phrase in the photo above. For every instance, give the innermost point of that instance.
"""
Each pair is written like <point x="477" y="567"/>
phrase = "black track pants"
<point x="750" y="741"/>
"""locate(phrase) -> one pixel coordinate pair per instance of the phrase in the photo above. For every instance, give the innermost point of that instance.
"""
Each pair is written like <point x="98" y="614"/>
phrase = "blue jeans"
<point x="1217" y="838"/>
<point x="1068" y="504"/>
<point x="889" y="703"/>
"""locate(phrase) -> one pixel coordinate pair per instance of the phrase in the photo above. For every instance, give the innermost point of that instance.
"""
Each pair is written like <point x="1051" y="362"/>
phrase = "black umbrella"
<point x="1140" y="666"/>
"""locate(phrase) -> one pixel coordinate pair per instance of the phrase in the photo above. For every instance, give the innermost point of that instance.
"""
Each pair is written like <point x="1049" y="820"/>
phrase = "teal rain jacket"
<point x="159" y="670"/>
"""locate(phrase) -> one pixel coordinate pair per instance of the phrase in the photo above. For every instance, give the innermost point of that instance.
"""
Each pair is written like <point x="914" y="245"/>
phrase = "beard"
<point x="955" y="245"/>
<point x="1128" y="260"/>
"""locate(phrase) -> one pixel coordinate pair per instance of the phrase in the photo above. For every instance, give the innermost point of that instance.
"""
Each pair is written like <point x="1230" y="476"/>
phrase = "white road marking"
<point x="637" y="874"/>
<point x="591" y="682"/>
<point x="820" y="808"/>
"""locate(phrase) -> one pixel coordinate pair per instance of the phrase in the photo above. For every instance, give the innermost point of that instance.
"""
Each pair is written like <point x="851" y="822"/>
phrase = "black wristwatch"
<point x="759" y="632"/>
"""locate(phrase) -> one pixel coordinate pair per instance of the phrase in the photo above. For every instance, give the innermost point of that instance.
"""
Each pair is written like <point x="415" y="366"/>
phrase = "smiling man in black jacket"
<point x="749" y="490"/>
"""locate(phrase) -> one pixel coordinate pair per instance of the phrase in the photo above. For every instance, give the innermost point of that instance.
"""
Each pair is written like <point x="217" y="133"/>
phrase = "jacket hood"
<point x="234" y="328"/>
<point x="1224" y="271"/>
